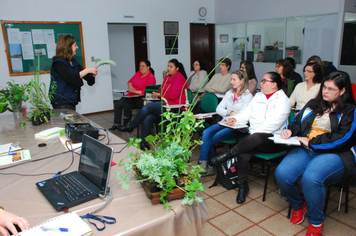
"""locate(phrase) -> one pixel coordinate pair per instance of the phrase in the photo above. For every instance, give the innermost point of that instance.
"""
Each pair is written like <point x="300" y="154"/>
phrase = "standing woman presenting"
<point x="68" y="74"/>
<point x="326" y="128"/>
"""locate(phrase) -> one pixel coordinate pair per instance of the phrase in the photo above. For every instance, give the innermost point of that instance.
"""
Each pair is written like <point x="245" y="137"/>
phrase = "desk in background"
<point x="132" y="209"/>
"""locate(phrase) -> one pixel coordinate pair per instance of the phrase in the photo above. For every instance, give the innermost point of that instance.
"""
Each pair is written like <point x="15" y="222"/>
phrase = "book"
<point x="50" y="133"/>
<point x="235" y="126"/>
<point x="290" y="141"/>
<point x="71" y="221"/>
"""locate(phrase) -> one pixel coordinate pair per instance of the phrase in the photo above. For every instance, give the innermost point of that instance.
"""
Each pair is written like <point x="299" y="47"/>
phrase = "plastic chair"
<point x="208" y="103"/>
<point x="268" y="158"/>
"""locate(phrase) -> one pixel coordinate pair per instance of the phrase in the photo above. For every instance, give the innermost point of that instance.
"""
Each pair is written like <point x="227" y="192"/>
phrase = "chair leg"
<point x="289" y="211"/>
<point x="327" y="199"/>
<point x="266" y="180"/>
<point x="340" y="198"/>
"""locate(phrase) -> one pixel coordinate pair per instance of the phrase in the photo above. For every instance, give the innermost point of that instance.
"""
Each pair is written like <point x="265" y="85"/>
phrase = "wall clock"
<point x="202" y="11"/>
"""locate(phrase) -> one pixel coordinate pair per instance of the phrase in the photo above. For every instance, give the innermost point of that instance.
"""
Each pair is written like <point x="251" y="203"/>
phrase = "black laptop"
<point x="91" y="179"/>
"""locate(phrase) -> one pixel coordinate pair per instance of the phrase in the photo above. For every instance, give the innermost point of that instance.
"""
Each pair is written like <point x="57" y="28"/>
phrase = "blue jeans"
<point x="214" y="134"/>
<point x="315" y="171"/>
<point x="148" y="115"/>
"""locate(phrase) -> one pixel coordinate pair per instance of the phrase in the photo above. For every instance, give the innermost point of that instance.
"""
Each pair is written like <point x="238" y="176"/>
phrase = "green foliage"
<point x="104" y="63"/>
<point x="39" y="98"/>
<point x="14" y="93"/>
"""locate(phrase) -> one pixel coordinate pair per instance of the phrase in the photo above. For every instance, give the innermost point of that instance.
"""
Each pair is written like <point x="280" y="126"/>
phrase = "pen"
<point x="58" y="229"/>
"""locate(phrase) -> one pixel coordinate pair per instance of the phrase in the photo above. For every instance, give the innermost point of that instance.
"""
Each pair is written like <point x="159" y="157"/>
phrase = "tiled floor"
<point x="254" y="217"/>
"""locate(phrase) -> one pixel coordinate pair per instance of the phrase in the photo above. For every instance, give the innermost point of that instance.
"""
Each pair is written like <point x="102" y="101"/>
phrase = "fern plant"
<point x="104" y="63"/>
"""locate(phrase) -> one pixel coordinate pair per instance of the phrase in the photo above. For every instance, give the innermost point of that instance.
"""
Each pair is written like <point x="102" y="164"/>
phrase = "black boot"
<point x="243" y="191"/>
<point x="126" y="121"/>
<point x="222" y="157"/>
<point x="144" y="146"/>
<point x="126" y="129"/>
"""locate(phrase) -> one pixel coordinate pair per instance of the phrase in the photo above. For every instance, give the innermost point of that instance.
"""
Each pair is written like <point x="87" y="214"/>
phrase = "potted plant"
<point x="15" y="94"/>
<point x="3" y="104"/>
<point x="40" y="99"/>
<point x="166" y="166"/>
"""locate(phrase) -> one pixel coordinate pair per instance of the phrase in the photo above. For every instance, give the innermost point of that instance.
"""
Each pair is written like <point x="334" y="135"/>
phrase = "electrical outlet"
<point x="92" y="59"/>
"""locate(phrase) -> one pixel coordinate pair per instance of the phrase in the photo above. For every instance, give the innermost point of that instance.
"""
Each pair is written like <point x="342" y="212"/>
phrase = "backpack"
<point x="226" y="174"/>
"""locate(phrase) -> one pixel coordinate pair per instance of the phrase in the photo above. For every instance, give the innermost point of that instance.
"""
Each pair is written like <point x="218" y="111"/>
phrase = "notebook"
<point x="91" y="179"/>
<point x="68" y="221"/>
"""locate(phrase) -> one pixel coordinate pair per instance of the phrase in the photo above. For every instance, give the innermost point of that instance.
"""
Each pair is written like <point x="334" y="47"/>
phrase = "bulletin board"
<point x="25" y="40"/>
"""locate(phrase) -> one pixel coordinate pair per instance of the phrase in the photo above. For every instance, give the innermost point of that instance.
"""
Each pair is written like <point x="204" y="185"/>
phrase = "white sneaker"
<point x="204" y="165"/>
<point x="208" y="170"/>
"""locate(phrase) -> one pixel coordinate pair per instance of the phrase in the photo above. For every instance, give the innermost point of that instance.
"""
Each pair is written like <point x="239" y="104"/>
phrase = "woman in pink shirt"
<point x="172" y="90"/>
<point x="133" y="100"/>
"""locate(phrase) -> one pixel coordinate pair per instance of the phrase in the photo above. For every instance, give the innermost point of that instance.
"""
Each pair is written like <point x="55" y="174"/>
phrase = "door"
<point x="202" y="44"/>
<point x="140" y="44"/>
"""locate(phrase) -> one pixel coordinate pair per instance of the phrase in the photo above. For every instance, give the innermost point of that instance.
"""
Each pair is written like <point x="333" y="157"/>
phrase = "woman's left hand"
<point x="303" y="140"/>
<point x="155" y="95"/>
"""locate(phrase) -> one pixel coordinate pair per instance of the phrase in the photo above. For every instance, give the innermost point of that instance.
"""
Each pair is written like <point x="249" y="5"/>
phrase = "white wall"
<point x="95" y="16"/>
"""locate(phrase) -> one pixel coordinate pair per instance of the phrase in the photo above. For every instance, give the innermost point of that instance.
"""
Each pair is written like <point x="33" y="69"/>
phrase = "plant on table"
<point x="14" y="94"/>
<point x="39" y="98"/>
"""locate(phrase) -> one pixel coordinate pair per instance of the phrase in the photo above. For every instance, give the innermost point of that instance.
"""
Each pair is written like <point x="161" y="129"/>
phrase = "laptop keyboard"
<point x="72" y="187"/>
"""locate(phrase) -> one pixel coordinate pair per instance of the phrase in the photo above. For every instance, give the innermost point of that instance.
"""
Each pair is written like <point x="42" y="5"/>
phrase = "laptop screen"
<point x="95" y="161"/>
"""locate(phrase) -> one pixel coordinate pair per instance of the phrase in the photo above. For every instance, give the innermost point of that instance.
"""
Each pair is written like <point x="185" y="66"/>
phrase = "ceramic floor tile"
<point x="210" y="230"/>
<point x="231" y="223"/>
<point x="254" y="231"/>
<point x="256" y="190"/>
<point x="273" y="201"/>
<point x="280" y="225"/>
<point x="215" y="208"/>
<point x="214" y="190"/>
<point x="333" y="227"/>
<point x="228" y="198"/>
<point x="347" y="218"/>
<point x="254" y="211"/>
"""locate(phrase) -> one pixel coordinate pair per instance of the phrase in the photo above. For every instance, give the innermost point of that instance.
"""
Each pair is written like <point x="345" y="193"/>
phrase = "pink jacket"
<point x="173" y="89"/>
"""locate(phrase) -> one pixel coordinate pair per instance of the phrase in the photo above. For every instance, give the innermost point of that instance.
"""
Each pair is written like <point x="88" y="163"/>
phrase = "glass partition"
<point x="267" y="38"/>
<point x="295" y="38"/>
<point x="230" y="39"/>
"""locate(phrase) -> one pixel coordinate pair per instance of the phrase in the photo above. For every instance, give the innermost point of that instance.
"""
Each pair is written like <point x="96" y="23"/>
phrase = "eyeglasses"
<point x="277" y="66"/>
<point x="266" y="80"/>
<point x="196" y="64"/>
<point x="242" y="68"/>
<point x="330" y="89"/>
<point x="309" y="71"/>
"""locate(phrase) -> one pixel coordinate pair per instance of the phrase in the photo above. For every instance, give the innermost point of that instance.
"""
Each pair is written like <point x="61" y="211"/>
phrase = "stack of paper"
<point x="50" y="133"/>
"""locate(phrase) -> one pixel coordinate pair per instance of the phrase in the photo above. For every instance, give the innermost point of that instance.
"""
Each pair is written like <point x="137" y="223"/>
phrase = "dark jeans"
<point x="148" y="115"/>
<point x="126" y="104"/>
<point x="244" y="150"/>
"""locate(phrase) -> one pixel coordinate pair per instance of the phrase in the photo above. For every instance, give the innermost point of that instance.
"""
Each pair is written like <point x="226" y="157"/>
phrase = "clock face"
<point x="202" y="12"/>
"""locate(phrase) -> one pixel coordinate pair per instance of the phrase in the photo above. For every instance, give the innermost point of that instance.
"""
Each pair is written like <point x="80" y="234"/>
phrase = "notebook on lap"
<point x="91" y="179"/>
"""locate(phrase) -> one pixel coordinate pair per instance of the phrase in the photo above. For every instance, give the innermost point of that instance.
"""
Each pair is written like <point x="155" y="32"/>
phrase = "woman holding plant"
<point x="172" y="92"/>
<point x="69" y="74"/>
<point x="234" y="101"/>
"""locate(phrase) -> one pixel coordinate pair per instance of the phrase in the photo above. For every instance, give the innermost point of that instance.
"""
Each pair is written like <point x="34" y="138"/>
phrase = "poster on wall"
<point x="170" y="45"/>
<point x="256" y="43"/>
<point x="239" y="48"/>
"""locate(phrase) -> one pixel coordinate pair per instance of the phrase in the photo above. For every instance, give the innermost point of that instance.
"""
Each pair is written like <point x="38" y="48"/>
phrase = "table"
<point x="132" y="209"/>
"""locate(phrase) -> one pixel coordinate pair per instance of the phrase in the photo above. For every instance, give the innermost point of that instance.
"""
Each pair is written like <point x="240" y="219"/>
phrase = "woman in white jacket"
<point x="234" y="101"/>
<point x="267" y="114"/>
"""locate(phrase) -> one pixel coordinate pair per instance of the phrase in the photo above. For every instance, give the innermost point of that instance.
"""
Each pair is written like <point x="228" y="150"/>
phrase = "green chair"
<point x="208" y="103"/>
<point x="268" y="158"/>
<point x="190" y="96"/>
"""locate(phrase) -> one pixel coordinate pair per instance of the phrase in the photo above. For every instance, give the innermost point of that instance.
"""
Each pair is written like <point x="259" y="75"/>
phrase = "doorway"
<point x="140" y="44"/>
<point x="202" y="44"/>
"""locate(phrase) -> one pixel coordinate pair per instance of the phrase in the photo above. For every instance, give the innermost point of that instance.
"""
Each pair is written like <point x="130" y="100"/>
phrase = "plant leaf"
<point x="107" y="62"/>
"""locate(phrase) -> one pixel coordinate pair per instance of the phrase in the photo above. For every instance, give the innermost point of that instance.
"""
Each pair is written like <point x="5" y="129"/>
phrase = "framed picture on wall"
<point x="224" y="38"/>
<point x="171" y="46"/>
<point x="171" y="27"/>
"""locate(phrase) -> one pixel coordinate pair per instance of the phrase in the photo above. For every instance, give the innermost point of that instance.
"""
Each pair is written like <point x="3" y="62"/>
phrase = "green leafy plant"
<point x="39" y="98"/>
<point x="168" y="162"/>
<point x="15" y="93"/>
<point x="104" y="63"/>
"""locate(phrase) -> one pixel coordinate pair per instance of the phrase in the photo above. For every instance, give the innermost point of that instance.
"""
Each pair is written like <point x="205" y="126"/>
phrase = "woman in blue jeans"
<point x="326" y="128"/>
<point x="234" y="100"/>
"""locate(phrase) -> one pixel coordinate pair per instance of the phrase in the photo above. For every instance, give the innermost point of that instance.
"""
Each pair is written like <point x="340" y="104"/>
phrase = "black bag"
<point x="226" y="174"/>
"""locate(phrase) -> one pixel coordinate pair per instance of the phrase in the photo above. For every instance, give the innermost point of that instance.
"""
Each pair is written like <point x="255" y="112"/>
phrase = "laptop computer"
<point x="91" y="179"/>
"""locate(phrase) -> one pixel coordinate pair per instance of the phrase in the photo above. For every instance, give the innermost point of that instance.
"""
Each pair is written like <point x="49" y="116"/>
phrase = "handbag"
<point x="226" y="174"/>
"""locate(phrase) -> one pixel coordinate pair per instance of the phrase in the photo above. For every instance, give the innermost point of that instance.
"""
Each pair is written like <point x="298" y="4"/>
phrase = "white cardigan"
<point x="228" y="105"/>
<point x="266" y="115"/>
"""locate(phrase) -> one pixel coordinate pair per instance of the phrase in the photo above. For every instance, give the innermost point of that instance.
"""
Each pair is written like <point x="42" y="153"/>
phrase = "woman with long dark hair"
<point x="172" y="90"/>
<point x="326" y="128"/>
<point x="284" y="69"/>
<point x="248" y="67"/>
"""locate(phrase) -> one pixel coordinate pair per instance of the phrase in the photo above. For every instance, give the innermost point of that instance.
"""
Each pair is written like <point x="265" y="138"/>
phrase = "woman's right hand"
<point x="231" y="121"/>
<point x="286" y="133"/>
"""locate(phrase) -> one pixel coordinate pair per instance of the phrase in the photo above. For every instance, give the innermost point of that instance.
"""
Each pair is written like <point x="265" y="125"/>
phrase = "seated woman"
<point x="137" y="84"/>
<point x="326" y="129"/>
<point x="284" y="69"/>
<point x="267" y="114"/>
<point x="295" y="77"/>
<point x="197" y="77"/>
<point x="172" y="90"/>
<point x="234" y="101"/>
<point x="247" y="66"/>
<point x="307" y="90"/>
